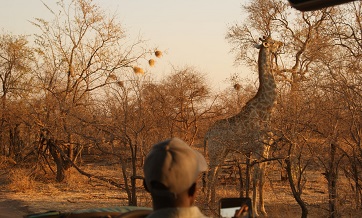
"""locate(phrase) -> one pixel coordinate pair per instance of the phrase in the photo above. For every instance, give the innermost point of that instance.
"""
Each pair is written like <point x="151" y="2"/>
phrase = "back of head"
<point x="172" y="167"/>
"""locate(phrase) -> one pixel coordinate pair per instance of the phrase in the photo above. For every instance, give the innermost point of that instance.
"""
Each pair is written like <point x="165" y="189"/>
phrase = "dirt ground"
<point x="57" y="198"/>
<point x="79" y="192"/>
<point x="12" y="208"/>
<point x="67" y="197"/>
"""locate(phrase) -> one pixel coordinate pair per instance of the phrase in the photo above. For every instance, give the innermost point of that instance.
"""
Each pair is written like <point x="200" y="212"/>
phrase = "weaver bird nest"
<point x="158" y="53"/>
<point x="151" y="62"/>
<point x="138" y="70"/>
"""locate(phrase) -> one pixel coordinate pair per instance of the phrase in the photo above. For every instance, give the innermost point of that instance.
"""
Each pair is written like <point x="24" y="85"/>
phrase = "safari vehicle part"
<point x="310" y="5"/>
<point x="115" y="212"/>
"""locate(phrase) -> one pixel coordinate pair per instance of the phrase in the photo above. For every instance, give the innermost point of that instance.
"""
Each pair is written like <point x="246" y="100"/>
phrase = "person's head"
<point x="171" y="170"/>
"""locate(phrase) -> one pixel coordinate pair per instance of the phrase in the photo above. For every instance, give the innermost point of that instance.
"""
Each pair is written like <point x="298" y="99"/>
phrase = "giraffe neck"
<point x="265" y="97"/>
<point x="267" y="86"/>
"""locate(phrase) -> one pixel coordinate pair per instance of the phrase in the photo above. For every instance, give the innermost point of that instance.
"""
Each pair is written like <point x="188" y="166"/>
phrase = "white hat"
<point x="174" y="164"/>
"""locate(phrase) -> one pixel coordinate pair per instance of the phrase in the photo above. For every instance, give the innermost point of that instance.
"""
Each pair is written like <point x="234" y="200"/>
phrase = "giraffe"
<point x="247" y="132"/>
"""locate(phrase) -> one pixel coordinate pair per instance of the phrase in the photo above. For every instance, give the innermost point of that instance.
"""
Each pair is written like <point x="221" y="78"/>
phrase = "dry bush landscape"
<point x="66" y="93"/>
<point x="21" y="194"/>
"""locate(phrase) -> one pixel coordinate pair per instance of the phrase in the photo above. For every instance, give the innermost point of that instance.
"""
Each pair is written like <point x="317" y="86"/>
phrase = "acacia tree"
<point x="325" y="133"/>
<point x="78" y="51"/>
<point x="15" y="67"/>
<point x="119" y="128"/>
<point x="132" y="126"/>
<point x="138" y="112"/>
<point x="185" y="92"/>
<point x="346" y="32"/>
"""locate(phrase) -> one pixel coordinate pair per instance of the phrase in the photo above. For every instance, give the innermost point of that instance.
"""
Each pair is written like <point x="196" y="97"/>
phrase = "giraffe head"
<point x="272" y="45"/>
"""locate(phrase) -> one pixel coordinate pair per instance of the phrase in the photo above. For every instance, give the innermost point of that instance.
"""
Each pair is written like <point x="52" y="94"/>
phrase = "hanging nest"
<point x="158" y="53"/>
<point x="112" y="76"/>
<point x="138" y="70"/>
<point x="120" y="83"/>
<point x="237" y="86"/>
<point x="151" y="62"/>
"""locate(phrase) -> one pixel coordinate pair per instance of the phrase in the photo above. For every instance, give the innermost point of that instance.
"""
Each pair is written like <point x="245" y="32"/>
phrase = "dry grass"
<point x="79" y="192"/>
<point x="20" y="180"/>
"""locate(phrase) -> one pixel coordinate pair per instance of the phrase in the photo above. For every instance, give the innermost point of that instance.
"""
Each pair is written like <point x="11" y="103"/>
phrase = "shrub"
<point x="20" y="180"/>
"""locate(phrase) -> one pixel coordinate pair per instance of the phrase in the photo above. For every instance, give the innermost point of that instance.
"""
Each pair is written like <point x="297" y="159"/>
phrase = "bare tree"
<point x="345" y="75"/>
<point x="78" y="51"/>
<point x="185" y="92"/>
<point x="15" y="67"/>
<point x="138" y="112"/>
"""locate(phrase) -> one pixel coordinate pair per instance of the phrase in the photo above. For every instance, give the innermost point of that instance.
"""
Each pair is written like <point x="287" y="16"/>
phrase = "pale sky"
<point x="192" y="32"/>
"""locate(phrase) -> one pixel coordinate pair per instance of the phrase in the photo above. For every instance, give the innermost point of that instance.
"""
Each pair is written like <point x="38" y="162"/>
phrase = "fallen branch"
<point x="110" y="181"/>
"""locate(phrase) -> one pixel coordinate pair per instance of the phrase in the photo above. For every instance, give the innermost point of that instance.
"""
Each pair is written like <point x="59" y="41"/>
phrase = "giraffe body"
<point x="247" y="132"/>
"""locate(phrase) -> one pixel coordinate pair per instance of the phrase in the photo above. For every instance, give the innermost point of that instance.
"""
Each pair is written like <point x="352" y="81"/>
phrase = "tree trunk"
<point x="125" y="178"/>
<point x="11" y="142"/>
<point x="57" y="159"/>
<point x="355" y="175"/>
<point x="331" y="175"/>
<point x="69" y="152"/>
<point x="2" y="125"/>
<point x="296" y="194"/>
<point x="247" y="176"/>
<point x="133" y="186"/>
<point x="134" y="173"/>
<point x="283" y="172"/>
<point x="241" y="189"/>
<point x="16" y="143"/>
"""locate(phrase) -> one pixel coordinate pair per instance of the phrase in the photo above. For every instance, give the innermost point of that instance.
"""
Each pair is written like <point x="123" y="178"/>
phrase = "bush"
<point x="20" y="180"/>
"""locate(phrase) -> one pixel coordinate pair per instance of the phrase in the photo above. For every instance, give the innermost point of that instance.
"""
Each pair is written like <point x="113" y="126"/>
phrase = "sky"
<point x="190" y="32"/>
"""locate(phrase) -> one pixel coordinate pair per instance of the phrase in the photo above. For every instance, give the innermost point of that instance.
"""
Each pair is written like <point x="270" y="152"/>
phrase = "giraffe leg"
<point x="261" y="189"/>
<point x="214" y="182"/>
<point x="212" y="179"/>
<point x="215" y="162"/>
<point x="255" y="185"/>
<point x="210" y="182"/>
